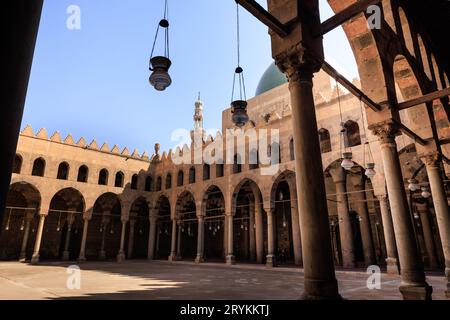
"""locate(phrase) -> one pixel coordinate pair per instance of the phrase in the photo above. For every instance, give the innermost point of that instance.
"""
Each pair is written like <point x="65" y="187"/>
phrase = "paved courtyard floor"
<point x="182" y="281"/>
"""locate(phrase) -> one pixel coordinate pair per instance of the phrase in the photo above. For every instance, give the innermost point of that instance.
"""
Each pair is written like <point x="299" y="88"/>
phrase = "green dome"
<point x="271" y="78"/>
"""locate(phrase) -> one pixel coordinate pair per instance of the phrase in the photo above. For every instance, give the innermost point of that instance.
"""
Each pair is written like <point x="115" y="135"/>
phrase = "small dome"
<point x="271" y="78"/>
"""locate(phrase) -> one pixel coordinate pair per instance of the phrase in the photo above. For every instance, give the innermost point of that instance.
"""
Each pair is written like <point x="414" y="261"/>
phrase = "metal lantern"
<point x="160" y="78"/>
<point x="370" y="170"/>
<point x="425" y="192"/>
<point x="347" y="162"/>
<point x="159" y="65"/>
<point x="239" y="111"/>
<point x="412" y="185"/>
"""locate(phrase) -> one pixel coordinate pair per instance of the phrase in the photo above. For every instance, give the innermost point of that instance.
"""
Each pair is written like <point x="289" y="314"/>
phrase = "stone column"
<point x="296" y="238"/>
<point x="413" y="284"/>
<point x="270" y="258"/>
<point x="151" y="237"/>
<point x="121" y="254"/>
<point x="173" y="244"/>
<point x="389" y="236"/>
<point x="345" y="227"/>
<point x="23" y="251"/>
<point x="131" y="238"/>
<point x="432" y="163"/>
<point x="422" y="210"/>
<point x="179" y="236"/>
<point x="230" y="256"/>
<point x="200" y="239"/>
<point x="70" y="220"/>
<point x="252" y="232"/>
<point x="320" y="281"/>
<point x="259" y="234"/>
<point x="82" y="255"/>
<point x="364" y="221"/>
<point x="37" y="244"/>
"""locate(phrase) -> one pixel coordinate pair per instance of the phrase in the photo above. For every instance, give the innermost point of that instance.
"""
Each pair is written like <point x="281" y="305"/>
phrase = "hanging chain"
<point x="166" y="36"/>
<point x="341" y="134"/>
<point x="239" y="72"/>
<point x="365" y="135"/>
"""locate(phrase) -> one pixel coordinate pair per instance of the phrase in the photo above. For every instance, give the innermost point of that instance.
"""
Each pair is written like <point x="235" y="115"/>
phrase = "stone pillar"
<point x="179" y="236"/>
<point x="230" y="256"/>
<point x="173" y="244"/>
<point x="200" y="239"/>
<point x="37" y="244"/>
<point x="432" y="163"/>
<point x="70" y="220"/>
<point x="121" y="254"/>
<point x="82" y="255"/>
<point x="131" y="238"/>
<point x="259" y="234"/>
<point x="422" y="210"/>
<point x="320" y="281"/>
<point x="389" y="236"/>
<point x="364" y="221"/>
<point x="413" y="284"/>
<point x="345" y="227"/>
<point x="296" y="238"/>
<point x="151" y="237"/>
<point x="270" y="258"/>
<point x="26" y="234"/>
<point x="252" y="232"/>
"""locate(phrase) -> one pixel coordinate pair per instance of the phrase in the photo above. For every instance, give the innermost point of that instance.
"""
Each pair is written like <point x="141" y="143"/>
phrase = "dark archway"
<point x="214" y="210"/>
<point x="284" y="247"/>
<point x="187" y="226"/>
<point x="163" y="228"/>
<point x="103" y="239"/>
<point x="138" y="231"/>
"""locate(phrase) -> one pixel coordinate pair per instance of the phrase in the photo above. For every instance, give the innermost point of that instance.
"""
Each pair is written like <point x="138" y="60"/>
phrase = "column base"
<point x="321" y="290"/>
<point x="66" y="256"/>
<point x="35" y="259"/>
<point x="81" y="258"/>
<point x="199" y="259"/>
<point x="231" y="260"/>
<point x="270" y="261"/>
<point x="392" y="266"/>
<point x="120" y="257"/>
<point x="102" y="255"/>
<point x="416" y="292"/>
<point x="447" y="276"/>
<point x="172" y="257"/>
<point x="23" y="257"/>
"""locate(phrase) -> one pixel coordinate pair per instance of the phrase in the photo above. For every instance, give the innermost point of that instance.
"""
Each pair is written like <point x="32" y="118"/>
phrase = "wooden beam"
<point x="349" y="86"/>
<point x="345" y="15"/>
<point x="411" y="134"/>
<point x="444" y="141"/>
<point x="424" y="99"/>
<point x="265" y="17"/>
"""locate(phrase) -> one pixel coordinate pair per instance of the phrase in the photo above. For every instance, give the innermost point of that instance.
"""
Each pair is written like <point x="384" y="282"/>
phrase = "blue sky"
<point x="93" y="82"/>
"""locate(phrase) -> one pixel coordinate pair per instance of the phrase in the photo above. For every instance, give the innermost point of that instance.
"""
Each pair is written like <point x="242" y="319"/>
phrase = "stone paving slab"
<point x="158" y="280"/>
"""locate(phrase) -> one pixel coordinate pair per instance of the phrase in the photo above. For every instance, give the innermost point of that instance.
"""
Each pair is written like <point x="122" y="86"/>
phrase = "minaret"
<point x="198" y="120"/>
<point x="198" y="114"/>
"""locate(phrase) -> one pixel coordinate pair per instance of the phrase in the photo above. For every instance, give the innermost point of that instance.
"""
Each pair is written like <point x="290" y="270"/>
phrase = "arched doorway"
<point x="163" y="228"/>
<point x="63" y="226"/>
<point x="249" y="223"/>
<point x="187" y="226"/>
<point x="284" y="248"/>
<point x="138" y="231"/>
<point x="103" y="239"/>
<point x="19" y="222"/>
<point x="214" y="209"/>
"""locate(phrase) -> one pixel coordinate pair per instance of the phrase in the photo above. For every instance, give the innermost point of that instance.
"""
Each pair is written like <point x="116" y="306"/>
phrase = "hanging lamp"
<point x="347" y="162"/>
<point x="425" y="192"/>
<point x="413" y="185"/>
<point x="160" y="65"/>
<point x="370" y="165"/>
<point x="239" y="105"/>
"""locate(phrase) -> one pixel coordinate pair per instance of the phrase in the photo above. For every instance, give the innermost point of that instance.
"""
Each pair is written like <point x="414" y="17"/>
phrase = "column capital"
<point x="338" y="174"/>
<point x="431" y="159"/>
<point x="386" y="131"/>
<point x="297" y="63"/>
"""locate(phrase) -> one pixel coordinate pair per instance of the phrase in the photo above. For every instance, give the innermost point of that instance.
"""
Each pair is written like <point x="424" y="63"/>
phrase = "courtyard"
<point x="160" y="280"/>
